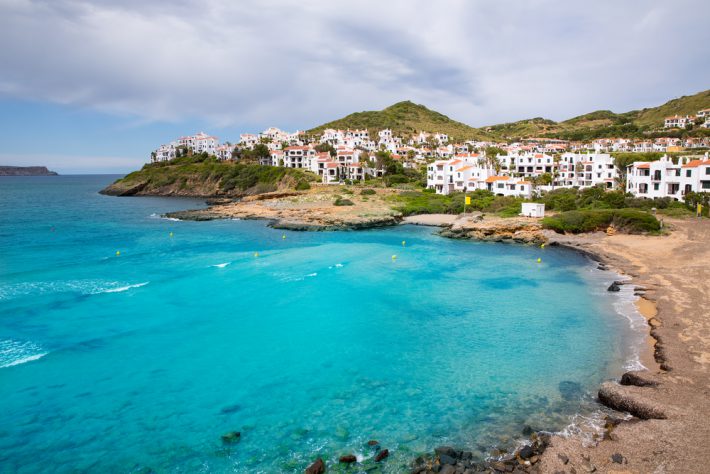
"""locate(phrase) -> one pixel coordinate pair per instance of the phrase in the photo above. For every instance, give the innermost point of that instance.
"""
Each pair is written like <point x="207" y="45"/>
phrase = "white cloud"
<point x="298" y="64"/>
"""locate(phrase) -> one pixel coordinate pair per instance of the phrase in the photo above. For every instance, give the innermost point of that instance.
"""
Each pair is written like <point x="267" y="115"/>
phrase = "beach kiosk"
<point x="533" y="209"/>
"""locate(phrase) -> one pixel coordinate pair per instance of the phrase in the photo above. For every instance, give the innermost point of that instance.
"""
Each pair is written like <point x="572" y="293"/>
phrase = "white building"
<point x="678" y="121"/>
<point x="664" y="178"/>
<point x="585" y="170"/>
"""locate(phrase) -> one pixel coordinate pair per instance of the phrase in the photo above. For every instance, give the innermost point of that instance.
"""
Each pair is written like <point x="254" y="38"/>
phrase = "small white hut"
<point x="533" y="209"/>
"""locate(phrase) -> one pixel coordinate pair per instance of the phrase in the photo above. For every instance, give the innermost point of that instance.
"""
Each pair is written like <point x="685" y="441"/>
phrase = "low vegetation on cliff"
<point x="201" y="175"/>
<point x="628" y="220"/>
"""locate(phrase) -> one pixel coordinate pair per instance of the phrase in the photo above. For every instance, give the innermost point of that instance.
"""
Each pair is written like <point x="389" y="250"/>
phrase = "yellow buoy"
<point x="394" y="257"/>
<point x="539" y="260"/>
<point x="171" y="234"/>
<point x="256" y="254"/>
<point x="283" y="237"/>
<point x="542" y="246"/>
<point x="118" y="252"/>
<point x="404" y="243"/>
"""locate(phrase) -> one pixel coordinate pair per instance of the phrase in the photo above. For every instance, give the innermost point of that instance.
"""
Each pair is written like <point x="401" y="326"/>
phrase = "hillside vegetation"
<point x="404" y="118"/>
<point x="605" y="123"/>
<point x="202" y="176"/>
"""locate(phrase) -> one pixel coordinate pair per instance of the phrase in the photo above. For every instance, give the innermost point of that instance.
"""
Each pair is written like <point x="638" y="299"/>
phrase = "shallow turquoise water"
<point x="122" y="363"/>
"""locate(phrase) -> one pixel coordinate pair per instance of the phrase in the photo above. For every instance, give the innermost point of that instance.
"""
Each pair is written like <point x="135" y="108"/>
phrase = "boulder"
<point x="631" y="378"/>
<point x="382" y="455"/>
<point x="318" y="467"/>
<point x="446" y="459"/>
<point x="348" y="459"/>
<point x="373" y="442"/>
<point x="621" y="399"/>
<point x="447" y="450"/>
<point x="614" y="287"/>
<point x="526" y="452"/>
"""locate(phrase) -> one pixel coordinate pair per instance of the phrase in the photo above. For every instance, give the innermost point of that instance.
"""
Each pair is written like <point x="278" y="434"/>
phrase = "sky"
<point x="94" y="86"/>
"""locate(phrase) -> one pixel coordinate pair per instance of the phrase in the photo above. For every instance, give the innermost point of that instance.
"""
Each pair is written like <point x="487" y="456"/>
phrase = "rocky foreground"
<point x="320" y="208"/>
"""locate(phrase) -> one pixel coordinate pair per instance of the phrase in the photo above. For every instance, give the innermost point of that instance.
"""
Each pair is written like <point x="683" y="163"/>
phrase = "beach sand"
<point x="672" y="273"/>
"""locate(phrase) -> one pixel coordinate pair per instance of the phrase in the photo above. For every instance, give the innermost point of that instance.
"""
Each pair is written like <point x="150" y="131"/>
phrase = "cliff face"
<point x="207" y="179"/>
<point x="26" y="171"/>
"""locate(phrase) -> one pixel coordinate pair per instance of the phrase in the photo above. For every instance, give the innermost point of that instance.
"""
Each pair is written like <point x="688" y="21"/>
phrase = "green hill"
<point x="405" y="119"/>
<point x="604" y="123"/>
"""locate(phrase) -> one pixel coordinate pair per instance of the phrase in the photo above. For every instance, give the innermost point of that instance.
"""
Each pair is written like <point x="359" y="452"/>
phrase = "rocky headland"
<point x="26" y="171"/>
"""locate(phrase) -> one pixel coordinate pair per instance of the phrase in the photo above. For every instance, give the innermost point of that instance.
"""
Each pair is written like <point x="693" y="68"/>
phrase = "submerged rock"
<point x="570" y="390"/>
<point x="382" y="455"/>
<point x="348" y="459"/>
<point x="318" y="467"/>
<point x="231" y="437"/>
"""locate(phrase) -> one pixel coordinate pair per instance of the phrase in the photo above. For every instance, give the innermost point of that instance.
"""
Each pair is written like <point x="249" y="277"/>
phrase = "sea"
<point x="130" y="342"/>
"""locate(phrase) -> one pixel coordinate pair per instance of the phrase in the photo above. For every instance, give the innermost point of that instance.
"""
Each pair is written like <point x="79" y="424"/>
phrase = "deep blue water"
<point x="137" y="361"/>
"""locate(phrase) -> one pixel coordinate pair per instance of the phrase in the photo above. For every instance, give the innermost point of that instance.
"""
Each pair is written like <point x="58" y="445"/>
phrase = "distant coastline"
<point x="26" y="171"/>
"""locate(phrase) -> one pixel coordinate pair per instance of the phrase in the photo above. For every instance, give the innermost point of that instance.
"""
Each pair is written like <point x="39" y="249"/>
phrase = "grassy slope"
<point x="209" y="178"/>
<point x="649" y="118"/>
<point x="405" y="119"/>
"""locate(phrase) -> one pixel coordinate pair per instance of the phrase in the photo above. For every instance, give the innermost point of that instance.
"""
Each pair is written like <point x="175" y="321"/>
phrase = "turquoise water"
<point x="143" y="360"/>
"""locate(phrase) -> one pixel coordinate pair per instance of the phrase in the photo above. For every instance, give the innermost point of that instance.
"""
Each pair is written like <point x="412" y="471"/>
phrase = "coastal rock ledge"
<point x="496" y="229"/>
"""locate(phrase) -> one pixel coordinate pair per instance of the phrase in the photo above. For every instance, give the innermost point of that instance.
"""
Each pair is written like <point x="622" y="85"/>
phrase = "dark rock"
<point x="231" y="409"/>
<point x="317" y="467"/>
<point x="373" y="442"/>
<point x="617" y="458"/>
<point x="447" y="450"/>
<point x="446" y="459"/>
<point x="563" y="458"/>
<point x="231" y="437"/>
<point x="570" y="390"/>
<point x="526" y="452"/>
<point x="466" y="455"/>
<point x="614" y="396"/>
<point x="382" y="455"/>
<point x="447" y="469"/>
<point x="348" y="459"/>
<point x="613" y="287"/>
<point x="630" y="378"/>
<point x="527" y="430"/>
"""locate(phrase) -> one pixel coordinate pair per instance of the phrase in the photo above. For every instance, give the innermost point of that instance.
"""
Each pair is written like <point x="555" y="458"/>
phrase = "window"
<point x="706" y="184"/>
<point x="707" y="170"/>
<point x="655" y="186"/>
<point x="687" y="173"/>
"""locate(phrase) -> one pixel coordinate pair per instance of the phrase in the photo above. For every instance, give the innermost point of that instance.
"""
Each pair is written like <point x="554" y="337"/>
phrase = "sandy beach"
<point x="672" y="273"/>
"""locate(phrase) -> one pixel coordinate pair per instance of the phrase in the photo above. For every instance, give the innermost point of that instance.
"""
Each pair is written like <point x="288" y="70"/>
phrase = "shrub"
<point x="302" y="186"/>
<point x="367" y="192"/>
<point x="343" y="202"/>
<point x="628" y="220"/>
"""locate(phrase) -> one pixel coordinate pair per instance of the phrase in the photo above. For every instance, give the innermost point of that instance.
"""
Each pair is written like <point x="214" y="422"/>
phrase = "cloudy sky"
<point x="94" y="86"/>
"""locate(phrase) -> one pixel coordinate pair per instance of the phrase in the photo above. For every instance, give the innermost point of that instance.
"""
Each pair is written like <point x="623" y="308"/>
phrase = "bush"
<point x="589" y="220"/>
<point x="367" y="192"/>
<point x="343" y="202"/>
<point x="302" y="186"/>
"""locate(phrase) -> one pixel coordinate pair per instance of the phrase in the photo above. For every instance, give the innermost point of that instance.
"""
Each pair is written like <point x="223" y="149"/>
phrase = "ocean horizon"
<point x="131" y="343"/>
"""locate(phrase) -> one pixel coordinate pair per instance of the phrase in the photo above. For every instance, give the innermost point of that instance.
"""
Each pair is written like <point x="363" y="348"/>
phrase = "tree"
<point x="326" y="147"/>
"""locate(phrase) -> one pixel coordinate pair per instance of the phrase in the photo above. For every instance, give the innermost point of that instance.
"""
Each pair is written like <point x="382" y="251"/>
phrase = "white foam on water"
<point x="16" y="352"/>
<point x="84" y="287"/>
<point x="221" y="265"/>
<point x="125" y="288"/>
<point x="338" y="265"/>
<point x="158" y="216"/>
<point x="312" y="275"/>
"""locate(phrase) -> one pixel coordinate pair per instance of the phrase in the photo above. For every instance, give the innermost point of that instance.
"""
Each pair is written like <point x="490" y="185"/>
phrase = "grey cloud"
<point x="297" y="64"/>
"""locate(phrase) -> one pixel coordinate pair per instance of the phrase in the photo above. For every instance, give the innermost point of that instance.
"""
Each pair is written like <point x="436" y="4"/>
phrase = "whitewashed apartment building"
<point x="664" y="178"/>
